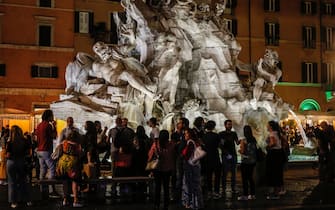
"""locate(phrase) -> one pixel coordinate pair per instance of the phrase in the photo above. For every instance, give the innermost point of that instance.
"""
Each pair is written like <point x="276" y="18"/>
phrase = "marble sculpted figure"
<point x="175" y="58"/>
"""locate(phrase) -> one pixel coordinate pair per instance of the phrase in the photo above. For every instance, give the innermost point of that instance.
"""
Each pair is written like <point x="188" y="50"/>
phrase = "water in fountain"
<point x="301" y="129"/>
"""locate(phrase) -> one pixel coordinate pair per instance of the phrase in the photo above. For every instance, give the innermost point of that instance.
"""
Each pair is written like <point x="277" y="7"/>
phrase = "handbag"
<point x="152" y="165"/>
<point x="57" y="153"/>
<point x="197" y="155"/>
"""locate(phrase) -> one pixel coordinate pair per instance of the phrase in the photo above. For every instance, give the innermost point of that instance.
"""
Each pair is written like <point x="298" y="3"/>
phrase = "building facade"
<point x="38" y="38"/>
<point x="302" y="32"/>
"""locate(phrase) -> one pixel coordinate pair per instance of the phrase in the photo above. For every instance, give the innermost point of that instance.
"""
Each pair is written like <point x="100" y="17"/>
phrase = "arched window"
<point x="309" y="104"/>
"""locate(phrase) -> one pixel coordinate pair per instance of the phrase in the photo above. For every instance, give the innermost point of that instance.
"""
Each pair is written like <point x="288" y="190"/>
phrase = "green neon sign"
<point x="309" y="104"/>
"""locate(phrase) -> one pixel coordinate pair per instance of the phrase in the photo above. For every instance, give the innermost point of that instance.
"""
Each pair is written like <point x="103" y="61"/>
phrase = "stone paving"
<point x="301" y="182"/>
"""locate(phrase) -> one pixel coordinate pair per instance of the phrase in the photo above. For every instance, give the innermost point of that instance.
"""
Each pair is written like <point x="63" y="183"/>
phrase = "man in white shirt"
<point x="66" y="131"/>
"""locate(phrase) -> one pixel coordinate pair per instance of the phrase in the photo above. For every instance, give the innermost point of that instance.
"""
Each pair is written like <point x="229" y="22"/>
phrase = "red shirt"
<point x="45" y="134"/>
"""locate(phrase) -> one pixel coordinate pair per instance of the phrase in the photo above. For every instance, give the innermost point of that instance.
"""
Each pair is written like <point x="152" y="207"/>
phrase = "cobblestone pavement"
<point x="301" y="183"/>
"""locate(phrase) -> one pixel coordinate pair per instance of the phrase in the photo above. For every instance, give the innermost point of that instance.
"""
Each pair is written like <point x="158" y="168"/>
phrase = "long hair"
<point x="16" y="133"/>
<point x="248" y="134"/>
<point x="47" y="114"/>
<point x="141" y="136"/>
<point x="140" y="132"/>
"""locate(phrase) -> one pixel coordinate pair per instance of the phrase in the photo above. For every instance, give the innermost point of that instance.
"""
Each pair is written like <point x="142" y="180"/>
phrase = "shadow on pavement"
<point x="322" y="194"/>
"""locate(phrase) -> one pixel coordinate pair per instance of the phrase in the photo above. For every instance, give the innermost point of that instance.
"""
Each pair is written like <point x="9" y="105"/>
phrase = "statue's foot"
<point x="157" y="97"/>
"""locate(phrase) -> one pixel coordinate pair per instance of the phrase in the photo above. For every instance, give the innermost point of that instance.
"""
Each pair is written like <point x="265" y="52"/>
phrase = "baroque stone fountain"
<point x="173" y="59"/>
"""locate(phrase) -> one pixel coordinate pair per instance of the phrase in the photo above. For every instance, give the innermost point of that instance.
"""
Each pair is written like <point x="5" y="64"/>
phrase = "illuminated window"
<point x="83" y="22"/>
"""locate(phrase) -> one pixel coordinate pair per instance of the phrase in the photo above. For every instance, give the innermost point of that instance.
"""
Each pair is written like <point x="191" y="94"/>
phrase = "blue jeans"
<point x="46" y="162"/>
<point x="18" y="186"/>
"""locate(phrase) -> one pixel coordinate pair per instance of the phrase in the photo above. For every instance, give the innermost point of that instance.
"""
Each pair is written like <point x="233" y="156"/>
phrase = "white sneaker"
<point x="282" y="192"/>
<point x="242" y="198"/>
<point x="251" y="197"/>
<point x="216" y="196"/>
<point x="13" y="205"/>
<point x="77" y="205"/>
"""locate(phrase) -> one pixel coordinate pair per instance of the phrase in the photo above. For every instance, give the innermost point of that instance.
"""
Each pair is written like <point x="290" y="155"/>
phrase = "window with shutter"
<point x="2" y="69"/>
<point x="324" y="73"/>
<point x="232" y="26"/>
<point x="34" y="70"/>
<point x="328" y="74"/>
<point x="271" y="32"/>
<point x="272" y="5"/>
<point x="308" y="7"/>
<point x="314" y="8"/>
<point x="309" y="72"/>
<point x="83" y="22"/>
<point x="44" y="71"/>
<point x="303" y="72"/>
<point x="228" y="9"/>
<point x="328" y="34"/>
<point x="309" y="36"/>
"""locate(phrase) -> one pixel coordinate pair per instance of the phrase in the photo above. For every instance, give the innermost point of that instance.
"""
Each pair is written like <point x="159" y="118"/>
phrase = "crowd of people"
<point x="185" y="180"/>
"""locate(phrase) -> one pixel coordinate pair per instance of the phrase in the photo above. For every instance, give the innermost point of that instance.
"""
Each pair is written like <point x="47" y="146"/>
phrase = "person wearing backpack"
<point x="247" y="150"/>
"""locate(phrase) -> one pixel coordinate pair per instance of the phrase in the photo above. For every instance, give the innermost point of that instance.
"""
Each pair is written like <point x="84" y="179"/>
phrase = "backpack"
<point x="251" y="153"/>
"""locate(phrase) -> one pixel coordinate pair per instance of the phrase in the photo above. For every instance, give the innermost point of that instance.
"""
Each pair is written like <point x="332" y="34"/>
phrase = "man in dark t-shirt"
<point x="228" y="154"/>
